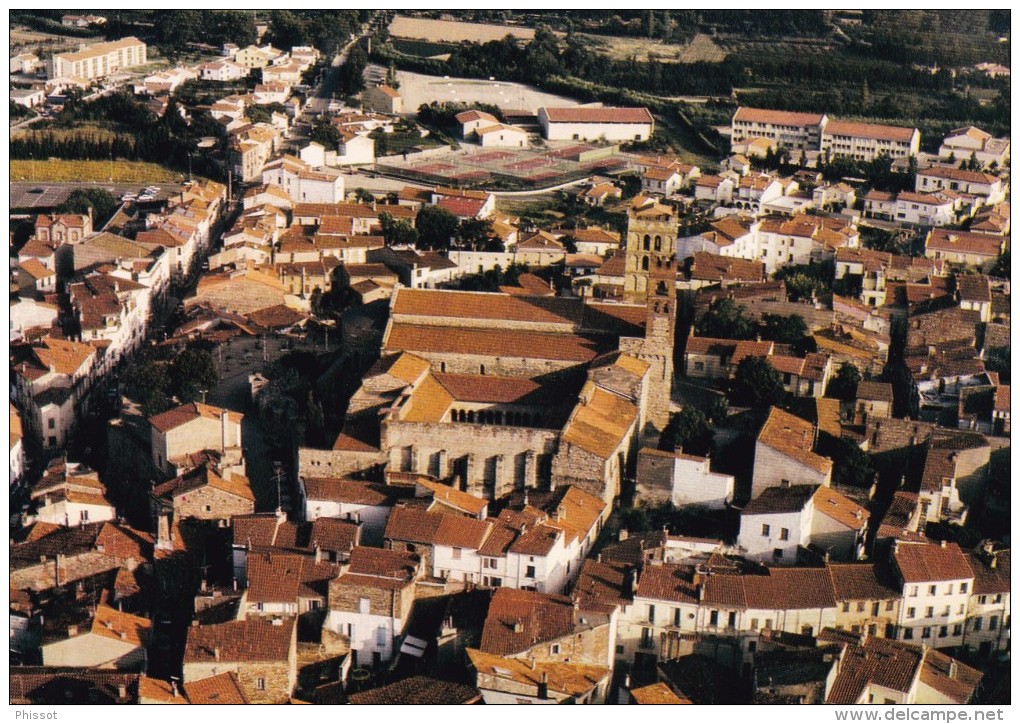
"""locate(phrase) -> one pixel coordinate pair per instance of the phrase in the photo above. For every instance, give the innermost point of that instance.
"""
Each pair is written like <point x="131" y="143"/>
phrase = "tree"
<point x="98" y="202"/>
<point x="475" y="233"/>
<point x="1001" y="268"/>
<point x="325" y="133"/>
<point x="783" y="329"/>
<point x="436" y="227"/>
<point x="192" y="372"/>
<point x="717" y="409"/>
<point x="756" y="384"/>
<point x="851" y="465"/>
<point x="997" y="360"/>
<point x="843" y="386"/>
<point x="352" y="72"/>
<point x="726" y="320"/>
<point x="688" y="430"/>
<point x="397" y="232"/>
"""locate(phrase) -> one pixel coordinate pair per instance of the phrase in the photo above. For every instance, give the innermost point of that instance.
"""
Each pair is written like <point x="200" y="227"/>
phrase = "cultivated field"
<point x="417" y="89"/>
<point x="701" y="48"/>
<point x="451" y="31"/>
<point x="61" y="170"/>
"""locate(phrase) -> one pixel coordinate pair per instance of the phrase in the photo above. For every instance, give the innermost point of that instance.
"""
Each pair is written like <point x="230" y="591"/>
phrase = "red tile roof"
<point x="924" y="562"/>
<point x="518" y="620"/>
<point x="172" y="419"/>
<point x="599" y="115"/>
<point x="254" y="640"/>
<point x="483" y="342"/>
<point x="777" y="118"/>
<point x="869" y="130"/>
<point x="793" y="437"/>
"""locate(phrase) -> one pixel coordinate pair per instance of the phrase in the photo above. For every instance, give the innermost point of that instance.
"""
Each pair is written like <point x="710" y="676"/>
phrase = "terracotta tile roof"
<point x="600" y="422"/>
<point x="488" y="388"/>
<point x="606" y="584"/>
<point x="274" y="577"/>
<point x="964" y="242"/>
<point x="35" y="269"/>
<point x="711" y="346"/>
<point x="518" y="620"/>
<point x="334" y="534"/>
<point x="599" y="115"/>
<point x="383" y="563"/>
<point x="486" y="305"/>
<point x="419" y="690"/>
<point x="879" y="662"/>
<point x="172" y="419"/>
<point x="973" y="287"/>
<point x="16" y="432"/>
<point x="794" y="438"/>
<point x="840" y="508"/>
<point x="120" y="626"/>
<point x="949" y="677"/>
<point x="461" y="207"/>
<point x="781" y="500"/>
<point x="869" y="130"/>
<point x="790" y="588"/>
<point x="277" y="317"/>
<point x="564" y="678"/>
<point x="958" y="174"/>
<point x="75" y="684"/>
<point x="924" y="562"/>
<point x="157" y="691"/>
<point x="254" y="640"/>
<point x="219" y="689"/>
<point x="61" y="355"/>
<point x="1002" y="398"/>
<point x="713" y="267"/>
<point x="483" y="342"/>
<point x="668" y="582"/>
<point x="777" y="118"/>
<point x="454" y="498"/>
<point x="879" y="391"/>
<point x="656" y="694"/>
<point x="354" y="492"/>
<point x="202" y="477"/>
<point x="475" y="115"/>
<point x="862" y="581"/>
<point x="436" y="528"/>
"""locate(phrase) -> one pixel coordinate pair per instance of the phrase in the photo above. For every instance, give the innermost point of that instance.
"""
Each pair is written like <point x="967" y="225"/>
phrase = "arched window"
<point x="658" y="243"/>
<point x="648" y="242"/>
<point x="644" y="264"/>
<point x="658" y="263"/>
<point x="471" y="416"/>
<point x="499" y="417"/>
<point x="660" y="289"/>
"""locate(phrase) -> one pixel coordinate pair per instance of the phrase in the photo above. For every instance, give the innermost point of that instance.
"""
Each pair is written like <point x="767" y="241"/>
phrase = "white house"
<point x="370" y="603"/>
<point x="985" y="186"/>
<point x="868" y="141"/>
<point x="596" y="124"/>
<point x="937" y="582"/>
<point x="28" y="97"/>
<point x="355" y="149"/>
<point x="988" y="614"/>
<point x="17" y="457"/>
<point x="302" y="182"/>
<point x="688" y="479"/>
<point x="222" y="71"/>
<point x="470" y="121"/>
<point x="358" y="500"/>
<point x="776" y="523"/>
<point x="717" y="189"/>
<point x="502" y="136"/>
<point x="795" y="131"/>
<point x="784" y="456"/>
<point x="182" y="431"/>
<point x="926" y="209"/>
<point x="962" y="144"/>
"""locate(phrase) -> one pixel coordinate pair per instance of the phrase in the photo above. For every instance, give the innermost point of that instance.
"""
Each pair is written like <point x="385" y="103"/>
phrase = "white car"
<point x="129" y="197"/>
<point x="147" y="197"/>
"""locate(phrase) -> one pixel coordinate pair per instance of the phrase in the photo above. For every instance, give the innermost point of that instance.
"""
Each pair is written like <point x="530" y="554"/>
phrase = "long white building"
<point x="99" y="60"/>
<point x="596" y="124"/>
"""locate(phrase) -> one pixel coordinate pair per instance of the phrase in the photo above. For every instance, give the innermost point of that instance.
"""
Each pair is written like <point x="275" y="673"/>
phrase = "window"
<point x="456" y="554"/>
<point x="777" y="552"/>
<point x="619" y="648"/>
<point x="957" y="629"/>
<point x="646" y="637"/>
<point x="765" y="530"/>
<point x="496" y="582"/>
<point x="982" y="600"/>
<point x="699" y="366"/>
<point x="931" y="590"/>
<point x="963" y="588"/>
<point x="911" y="613"/>
<point x="490" y="562"/>
<point x="732" y="622"/>
<point x="977" y="624"/>
<point x="945" y="611"/>
<point x="806" y="631"/>
<point x="943" y="631"/>
<point x="908" y="634"/>
<point x="364" y="605"/>
<point x="929" y="612"/>
<point x="713" y="618"/>
<point x="554" y="649"/>
<point x="260" y="684"/>
<point x="913" y="590"/>
<point x="784" y="534"/>
<point x="768" y="624"/>
<point x="860" y="607"/>
<point x="926" y="632"/>
<point x="51" y="424"/>
<point x="84" y="515"/>
<point x="208" y="509"/>
<point x="889" y="605"/>
<point x="677" y="617"/>
<point x="314" y="605"/>
<point x="993" y="623"/>
<point x="529" y="572"/>
<point x="949" y="590"/>
<point x="651" y="614"/>
<point x="380" y="636"/>
<point x="846" y="607"/>
<point x="998" y="598"/>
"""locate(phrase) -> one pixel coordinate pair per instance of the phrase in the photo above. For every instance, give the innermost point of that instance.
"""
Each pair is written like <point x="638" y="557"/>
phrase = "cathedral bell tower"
<point x="650" y="279"/>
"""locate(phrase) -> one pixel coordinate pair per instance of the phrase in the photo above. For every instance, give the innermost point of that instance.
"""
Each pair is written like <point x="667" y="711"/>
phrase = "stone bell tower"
<point x="650" y="279"/>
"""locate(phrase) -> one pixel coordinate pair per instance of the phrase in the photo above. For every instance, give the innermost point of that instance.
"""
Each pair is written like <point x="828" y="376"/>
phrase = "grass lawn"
<point x="525" y="205"/>
<point x="61" y="170"/>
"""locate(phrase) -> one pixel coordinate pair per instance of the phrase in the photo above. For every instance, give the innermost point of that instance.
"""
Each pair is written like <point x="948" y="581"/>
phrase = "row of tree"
<point x="435" y="228"/>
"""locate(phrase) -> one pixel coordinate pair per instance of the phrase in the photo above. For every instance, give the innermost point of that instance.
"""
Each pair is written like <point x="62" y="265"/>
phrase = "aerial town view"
<point x="510" y="357"/>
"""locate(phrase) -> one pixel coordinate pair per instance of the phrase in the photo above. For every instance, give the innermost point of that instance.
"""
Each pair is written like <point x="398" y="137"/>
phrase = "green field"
<point x="422" y="48"/>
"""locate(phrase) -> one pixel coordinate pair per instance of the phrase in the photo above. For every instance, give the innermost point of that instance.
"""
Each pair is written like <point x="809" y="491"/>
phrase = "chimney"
<point x="224" y="419"/>
<point x="942" y="543"/>
<point x="318" y="553"/>
<point x="216" y="652"/>
<point x="543" y="686"/>
<point x="953" y="669"/>
<point x="72" y="631"/>
<point x="173" y="687"/>
<point x="121" y="688"/>
<point x="123" y="635"/>
<point x="518" y="626"/>
<point x="623" y="535"/>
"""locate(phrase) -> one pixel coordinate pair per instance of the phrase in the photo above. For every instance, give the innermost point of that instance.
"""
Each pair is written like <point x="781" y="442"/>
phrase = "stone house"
<point x="203" y="493"/>
<point x="262" y="653"/>
<point x="867" y="599"/>
<point x="193" y="428"/>
<point x="783" y="454"/>
<point x="506" y="680"/>
<point x="682" y="479"/>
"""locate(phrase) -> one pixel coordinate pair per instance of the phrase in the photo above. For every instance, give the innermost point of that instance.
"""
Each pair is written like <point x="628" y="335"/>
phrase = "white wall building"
<point x="596" y="124"/>
<point x="937" y="583"/>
